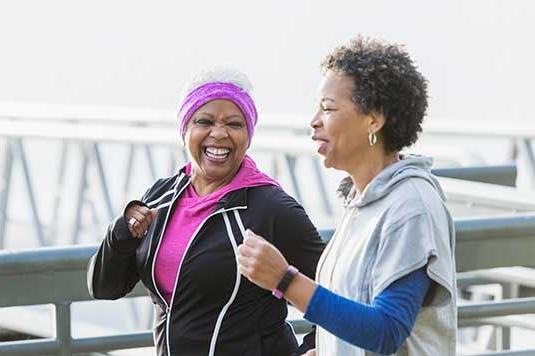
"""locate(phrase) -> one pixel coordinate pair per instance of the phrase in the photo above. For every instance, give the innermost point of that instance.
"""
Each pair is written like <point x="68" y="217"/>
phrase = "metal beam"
<point x="503" y="174"/>
<point x="29" y="347"/>
<point x="530" y="352"/>
<point x="499" y="308"/>
<point x="495" y="242"/>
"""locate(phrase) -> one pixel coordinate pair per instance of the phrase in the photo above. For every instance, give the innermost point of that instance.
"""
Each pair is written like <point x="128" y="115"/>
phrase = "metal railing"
<point x="86" y="142"/>
<point x="85" y="132"/>
<point x="500" y="174"/>
<point x="58" y="276"/>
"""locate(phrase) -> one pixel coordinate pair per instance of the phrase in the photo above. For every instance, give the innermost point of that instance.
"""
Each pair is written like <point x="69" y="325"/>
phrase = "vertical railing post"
<point x="82" y="186"/>
<point x="150" y="160"/>
<point x="103" y="182"/>
<point x="5" y="180"/>
<point x="509" y="290"/>
<point x="129" y="171"/>
<point x="321" y="187"/>
<point x="63" y="327"/>
<point x="290" y="164"/>
<point x="31" y="194"/>
<point x="530" y="157"/>
<point x="54" y="225"/>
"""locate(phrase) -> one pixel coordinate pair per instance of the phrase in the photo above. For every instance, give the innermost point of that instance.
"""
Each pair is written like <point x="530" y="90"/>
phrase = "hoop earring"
<point x="372" y="138"/>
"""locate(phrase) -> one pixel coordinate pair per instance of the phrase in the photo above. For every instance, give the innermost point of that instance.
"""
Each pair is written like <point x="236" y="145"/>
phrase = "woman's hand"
<point x="139" y="218"/>
<point x="265" y="266"/>
<point x="260" y="261"/>
<point x="310" y="353"/>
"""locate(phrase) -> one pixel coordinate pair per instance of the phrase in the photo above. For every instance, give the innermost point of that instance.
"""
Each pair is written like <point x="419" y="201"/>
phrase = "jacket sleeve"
<point x="112" y="273"/>
<point x="296" y="237"/>
<point x="300" y="243"/>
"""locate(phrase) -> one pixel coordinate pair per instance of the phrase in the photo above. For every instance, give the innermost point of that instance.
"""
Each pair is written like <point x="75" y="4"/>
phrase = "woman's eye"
<point x="203" y="122"/>
<point x="235" y="124"/>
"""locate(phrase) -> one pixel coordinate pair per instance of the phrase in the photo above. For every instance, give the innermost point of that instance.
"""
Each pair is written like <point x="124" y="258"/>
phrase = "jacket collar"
<point x="234" y="199"/>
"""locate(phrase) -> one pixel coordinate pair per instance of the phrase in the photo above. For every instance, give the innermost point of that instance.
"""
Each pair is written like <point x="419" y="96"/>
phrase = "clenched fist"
<point x="260" y="261"/>
<point x="139" y="218"/>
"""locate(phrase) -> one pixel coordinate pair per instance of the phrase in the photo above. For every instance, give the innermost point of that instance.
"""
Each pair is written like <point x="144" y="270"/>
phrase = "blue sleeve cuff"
<point x="314" y="306"/>
<point x="381" y="326"/>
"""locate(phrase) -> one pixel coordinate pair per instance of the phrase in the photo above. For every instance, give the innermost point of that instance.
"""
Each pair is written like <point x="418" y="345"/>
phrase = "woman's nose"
<point x="316" y="121"/>
<point x="219" y="131"/>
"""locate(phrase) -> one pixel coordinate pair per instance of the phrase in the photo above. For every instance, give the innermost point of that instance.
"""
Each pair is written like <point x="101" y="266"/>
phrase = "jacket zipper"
<point x="175" y="197"/>
<point x="167" y="306"/>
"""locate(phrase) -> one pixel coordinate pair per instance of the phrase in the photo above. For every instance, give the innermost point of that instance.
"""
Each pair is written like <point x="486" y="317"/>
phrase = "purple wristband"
<point x="285" y="281"/>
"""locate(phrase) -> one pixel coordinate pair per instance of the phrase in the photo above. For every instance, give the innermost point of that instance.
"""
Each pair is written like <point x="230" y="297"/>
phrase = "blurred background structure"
<point x="88" y="93"/>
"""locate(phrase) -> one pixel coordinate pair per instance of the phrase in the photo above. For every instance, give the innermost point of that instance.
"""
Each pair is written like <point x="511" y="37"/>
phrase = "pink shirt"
<point x="191" y="210"/>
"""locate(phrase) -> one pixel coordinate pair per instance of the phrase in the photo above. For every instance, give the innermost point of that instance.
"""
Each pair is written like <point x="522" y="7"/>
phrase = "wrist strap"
<point x="285" y="281"/>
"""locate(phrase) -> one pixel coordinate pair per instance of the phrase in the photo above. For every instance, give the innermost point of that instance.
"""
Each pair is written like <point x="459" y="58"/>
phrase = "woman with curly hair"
<point x="385" y="284"/>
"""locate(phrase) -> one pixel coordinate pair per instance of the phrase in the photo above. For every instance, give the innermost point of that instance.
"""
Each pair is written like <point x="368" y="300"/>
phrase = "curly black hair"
<point x="387" y="82"/>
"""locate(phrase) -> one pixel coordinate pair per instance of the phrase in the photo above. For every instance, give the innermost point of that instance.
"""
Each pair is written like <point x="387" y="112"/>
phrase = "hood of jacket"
<point x="408" y="166"/>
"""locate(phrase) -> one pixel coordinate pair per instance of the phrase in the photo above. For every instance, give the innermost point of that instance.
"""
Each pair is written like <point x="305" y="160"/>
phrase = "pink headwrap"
<point x="214" y="91"/>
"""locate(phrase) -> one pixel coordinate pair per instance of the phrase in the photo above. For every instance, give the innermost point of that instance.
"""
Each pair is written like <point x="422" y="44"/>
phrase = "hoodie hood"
<point x="409" y="166"/>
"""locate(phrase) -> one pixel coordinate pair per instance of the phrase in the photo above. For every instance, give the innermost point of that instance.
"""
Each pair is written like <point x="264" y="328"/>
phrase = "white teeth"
<point x="215" y="151"/>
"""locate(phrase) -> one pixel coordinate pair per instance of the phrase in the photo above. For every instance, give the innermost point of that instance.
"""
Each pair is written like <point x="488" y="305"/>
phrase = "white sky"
<point x="478" y="55"/>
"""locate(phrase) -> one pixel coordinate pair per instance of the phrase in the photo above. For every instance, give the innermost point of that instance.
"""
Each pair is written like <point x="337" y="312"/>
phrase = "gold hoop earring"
<point x="372" y="138"/>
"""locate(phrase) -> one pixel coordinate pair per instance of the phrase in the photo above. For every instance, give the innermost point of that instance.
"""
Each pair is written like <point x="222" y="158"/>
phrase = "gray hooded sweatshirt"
<point x="397" y="225"/>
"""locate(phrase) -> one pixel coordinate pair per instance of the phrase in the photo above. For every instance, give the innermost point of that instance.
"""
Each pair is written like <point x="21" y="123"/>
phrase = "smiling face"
<point x="216" y="140"/>
<point x="340" y="130"/>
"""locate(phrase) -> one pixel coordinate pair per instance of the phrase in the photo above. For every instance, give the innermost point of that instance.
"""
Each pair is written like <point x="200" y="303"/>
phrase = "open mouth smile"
<point x="216" y="154"/>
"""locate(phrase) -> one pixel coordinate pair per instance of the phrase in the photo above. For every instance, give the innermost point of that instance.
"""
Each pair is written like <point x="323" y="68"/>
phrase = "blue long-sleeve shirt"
<point x="381" y="326"/>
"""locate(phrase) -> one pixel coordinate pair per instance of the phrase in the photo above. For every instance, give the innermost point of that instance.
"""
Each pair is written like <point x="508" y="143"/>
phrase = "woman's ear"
<point x="376" y="122"/>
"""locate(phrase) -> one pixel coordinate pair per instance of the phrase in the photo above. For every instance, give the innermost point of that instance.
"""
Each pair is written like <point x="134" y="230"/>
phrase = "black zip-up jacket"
<point x="215" y="310"/>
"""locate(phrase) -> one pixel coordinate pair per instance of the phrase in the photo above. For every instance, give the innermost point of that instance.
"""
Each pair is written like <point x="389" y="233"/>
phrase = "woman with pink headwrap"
<point x="180" y="239"/>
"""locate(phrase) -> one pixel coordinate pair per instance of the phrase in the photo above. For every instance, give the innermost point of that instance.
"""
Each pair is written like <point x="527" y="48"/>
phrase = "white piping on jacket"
<point x="161" y="233"/>
<point x="169" y="308"/>
<point x="236" y="283"/>
<point x="156" y="201"/>
<point x="240" y="224"/>
<point x="167" y="311"/>
<point x="163" y="205"/>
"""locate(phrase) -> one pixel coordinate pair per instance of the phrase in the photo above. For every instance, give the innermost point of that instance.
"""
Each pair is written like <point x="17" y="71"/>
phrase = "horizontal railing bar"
<point x="161" y="136"/>
<point x="522" y="277"/>
<point x="76" y="257"/>
<point x="472" y="280"/>
<point x="104" y="343"/>
<point x="113" y="342"/>
<point x="530" y="352"/>
<point x="498" y="308"/>
<point x="30" y="347"/>
<point x="467" y="128"/>
<point x="504" y="321"/>
<point x="45" y="259"/>
<point x="139" y="116"/>
<point x="432" y="125"/>
<point x="145" y="339"/>
<point x="510" y="226"/>
<point x="487" y="195"/>
<point x="499" y="174"/>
